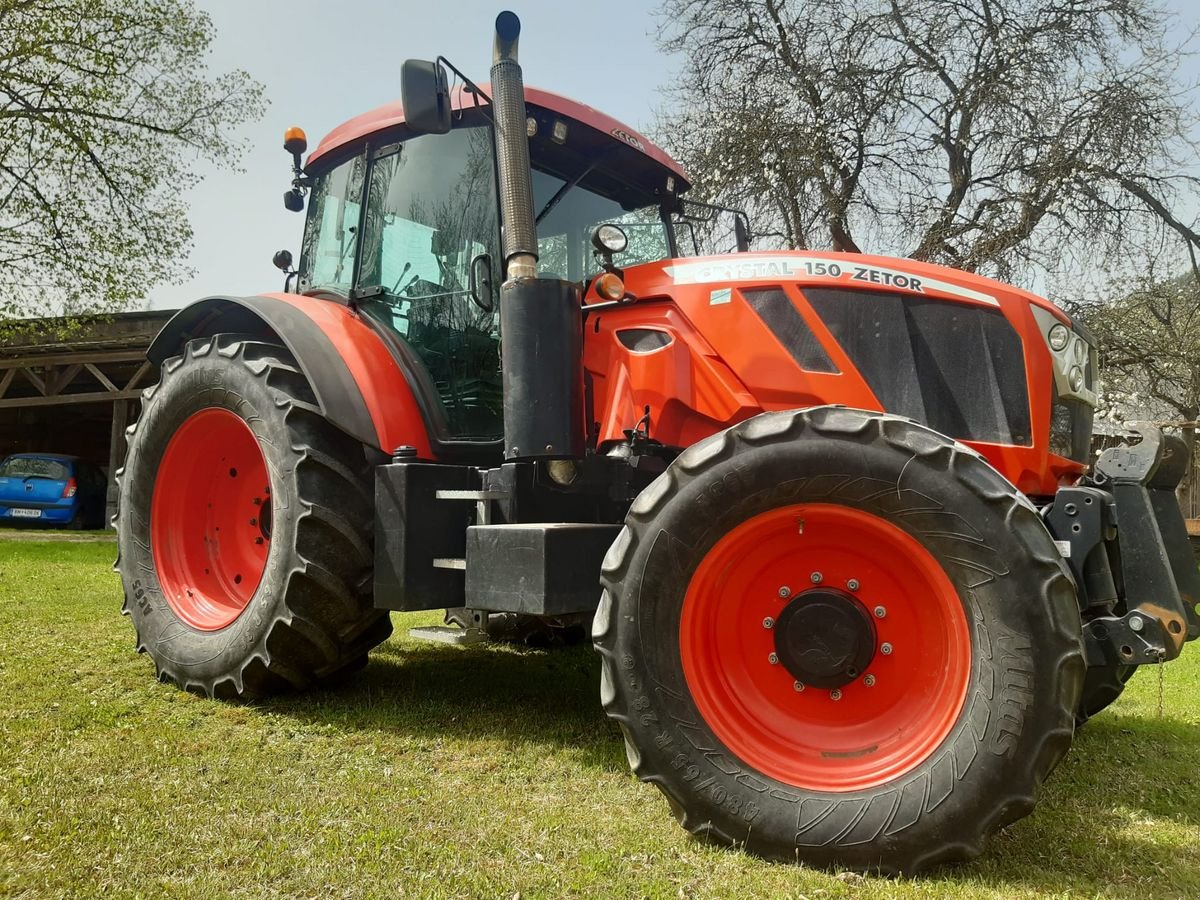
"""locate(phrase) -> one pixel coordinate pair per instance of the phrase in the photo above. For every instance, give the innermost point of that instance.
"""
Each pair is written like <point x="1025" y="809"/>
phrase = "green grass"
<point x="480" y="772"/>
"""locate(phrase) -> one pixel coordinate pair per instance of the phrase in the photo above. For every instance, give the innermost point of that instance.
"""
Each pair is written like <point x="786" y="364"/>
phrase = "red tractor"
<point x="853" y="581"/>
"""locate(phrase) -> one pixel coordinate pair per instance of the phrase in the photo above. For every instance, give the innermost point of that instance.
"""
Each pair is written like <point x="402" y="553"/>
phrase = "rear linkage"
<point x="1127" y="547"/>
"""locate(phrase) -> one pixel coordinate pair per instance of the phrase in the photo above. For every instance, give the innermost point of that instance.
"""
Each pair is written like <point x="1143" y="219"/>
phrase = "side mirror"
<point x="282" y="260"/>
<point x="480" y="278"/>
<point x="425" y="96"/>
<point x="293" y="201"/>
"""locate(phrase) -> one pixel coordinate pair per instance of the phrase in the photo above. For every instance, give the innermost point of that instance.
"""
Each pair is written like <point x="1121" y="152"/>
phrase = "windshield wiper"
<point x="562" y="191"/>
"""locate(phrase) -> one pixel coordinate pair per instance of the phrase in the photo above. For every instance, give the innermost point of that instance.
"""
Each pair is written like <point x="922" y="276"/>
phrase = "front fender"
<point x="358" y="384"/>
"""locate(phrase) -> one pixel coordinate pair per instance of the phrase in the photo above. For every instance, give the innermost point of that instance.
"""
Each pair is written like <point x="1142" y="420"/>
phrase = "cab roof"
<point x="391" y="115"/>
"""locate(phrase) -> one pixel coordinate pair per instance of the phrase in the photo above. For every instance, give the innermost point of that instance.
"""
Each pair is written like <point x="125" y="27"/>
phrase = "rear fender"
<point x="359" y="385"/>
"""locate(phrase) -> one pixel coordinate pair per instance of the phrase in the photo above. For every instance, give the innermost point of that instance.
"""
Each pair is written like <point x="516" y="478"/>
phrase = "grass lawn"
<point x="476" y="772"/>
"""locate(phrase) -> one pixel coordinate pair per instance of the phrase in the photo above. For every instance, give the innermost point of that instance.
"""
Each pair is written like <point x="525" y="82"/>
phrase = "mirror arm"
<point x="467" y="82"/>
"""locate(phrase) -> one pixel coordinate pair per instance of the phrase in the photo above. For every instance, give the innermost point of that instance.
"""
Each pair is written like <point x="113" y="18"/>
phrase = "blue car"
<point x="49" y="489"/>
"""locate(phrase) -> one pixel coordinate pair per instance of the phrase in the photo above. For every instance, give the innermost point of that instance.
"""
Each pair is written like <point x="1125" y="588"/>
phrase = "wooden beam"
<point x="69" y="399"/>
<point x="138" y="376"/>
<point x="101" y="377"/>
<point x="100" y="357"/>
<point x="34" y="380"/>
<point x="6" y="381"/>
<point x="65" y="377"/>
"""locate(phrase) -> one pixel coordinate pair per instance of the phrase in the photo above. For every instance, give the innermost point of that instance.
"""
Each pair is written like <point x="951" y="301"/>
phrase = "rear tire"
<point x="282" y="598"/>
<point x="867" y="780"/>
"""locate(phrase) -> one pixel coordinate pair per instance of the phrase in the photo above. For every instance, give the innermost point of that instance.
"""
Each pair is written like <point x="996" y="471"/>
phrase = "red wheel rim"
<point x="874" y="732"/>
<point x="210" y="519"/>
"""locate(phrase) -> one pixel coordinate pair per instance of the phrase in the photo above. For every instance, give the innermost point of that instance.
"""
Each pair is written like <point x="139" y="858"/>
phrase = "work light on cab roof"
<point x="832" y="520"/>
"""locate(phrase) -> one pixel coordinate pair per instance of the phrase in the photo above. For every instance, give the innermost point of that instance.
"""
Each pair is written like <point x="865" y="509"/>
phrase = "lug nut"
<point x="852" y="584"/>
<point x="1136" y="623"/>
<point x="880" y="612"/>
<point x="798" y="686"/>
<point x="816" y="577"/>
<point x="869" y="681"/>
<point x="886" y="649"/>
<point x="785" y="592"/>
<point x="835" y="694"/>
<point x="773" y="659"/>
<point x="768" y="622"/>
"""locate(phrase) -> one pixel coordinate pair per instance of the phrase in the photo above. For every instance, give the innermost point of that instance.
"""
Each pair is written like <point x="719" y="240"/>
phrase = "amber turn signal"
<point x="295" y="141"/>
<point x="610" y="286"/>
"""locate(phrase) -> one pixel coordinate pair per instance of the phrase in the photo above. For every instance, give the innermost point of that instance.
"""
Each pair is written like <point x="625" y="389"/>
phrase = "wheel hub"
<point x="754" y="648"/>
<point x="825" y="638"/>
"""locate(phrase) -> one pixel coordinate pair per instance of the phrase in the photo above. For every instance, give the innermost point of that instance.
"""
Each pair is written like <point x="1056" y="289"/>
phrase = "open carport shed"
<point x="72" y="385"/>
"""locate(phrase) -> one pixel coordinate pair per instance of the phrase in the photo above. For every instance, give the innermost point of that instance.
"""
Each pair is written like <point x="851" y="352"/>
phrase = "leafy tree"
<point x="1002" y="136"/>
<point x="105" y="108"/>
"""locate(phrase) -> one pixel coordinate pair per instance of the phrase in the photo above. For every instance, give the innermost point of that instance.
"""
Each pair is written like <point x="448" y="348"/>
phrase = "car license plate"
<point x="27" y="513"/>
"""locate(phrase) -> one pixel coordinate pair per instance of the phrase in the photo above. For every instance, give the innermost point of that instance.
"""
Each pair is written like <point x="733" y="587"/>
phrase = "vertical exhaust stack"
<point x="541" y="320"/>
<point x="512" y="151"/>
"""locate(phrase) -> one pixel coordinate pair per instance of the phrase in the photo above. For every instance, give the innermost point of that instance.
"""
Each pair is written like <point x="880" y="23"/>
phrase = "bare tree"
<point x="105" y="108"/>
<point x="999" y="136"/>
<point x="1149" y="337"/>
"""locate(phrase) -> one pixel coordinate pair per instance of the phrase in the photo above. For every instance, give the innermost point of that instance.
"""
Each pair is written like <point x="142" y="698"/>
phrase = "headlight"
<point x="1059" y="336"/>
<point x="1070" y="357"/>
<point x="609" y="239"/>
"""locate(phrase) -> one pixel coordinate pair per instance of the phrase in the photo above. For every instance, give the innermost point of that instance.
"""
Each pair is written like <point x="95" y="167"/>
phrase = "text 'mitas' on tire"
<point x="244" y="527"/>
<point x="838" y="637"/>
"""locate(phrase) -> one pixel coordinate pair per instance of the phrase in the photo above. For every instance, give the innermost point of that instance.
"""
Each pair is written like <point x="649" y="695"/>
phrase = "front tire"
<point x="792" y="548"/>
<point x="244" y="527"/>
<point x="1102" y="686"/>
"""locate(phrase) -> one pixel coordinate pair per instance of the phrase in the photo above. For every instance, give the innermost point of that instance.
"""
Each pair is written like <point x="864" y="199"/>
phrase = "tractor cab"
<point x="406" y="226"/>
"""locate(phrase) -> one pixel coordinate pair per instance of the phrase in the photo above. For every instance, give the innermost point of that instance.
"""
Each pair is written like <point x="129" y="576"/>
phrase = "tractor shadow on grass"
<point x="1098" y="828"/>
<point x="1118" y="816"/>
<point x="496" y="692"/>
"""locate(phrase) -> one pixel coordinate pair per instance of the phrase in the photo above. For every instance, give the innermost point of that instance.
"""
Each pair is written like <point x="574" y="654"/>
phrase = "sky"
<point x="325" y="62"/>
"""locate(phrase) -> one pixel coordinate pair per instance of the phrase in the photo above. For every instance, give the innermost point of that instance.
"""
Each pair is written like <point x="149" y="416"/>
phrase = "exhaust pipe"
<point x="541" y="319"/>
<point x="512" y="149"/>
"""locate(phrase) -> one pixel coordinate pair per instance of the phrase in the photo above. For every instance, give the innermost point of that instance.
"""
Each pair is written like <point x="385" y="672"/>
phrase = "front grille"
<point x="958" y="368"/>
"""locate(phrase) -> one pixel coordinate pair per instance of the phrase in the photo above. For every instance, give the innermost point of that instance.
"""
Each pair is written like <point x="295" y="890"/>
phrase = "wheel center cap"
<point x="825" y="638"/>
